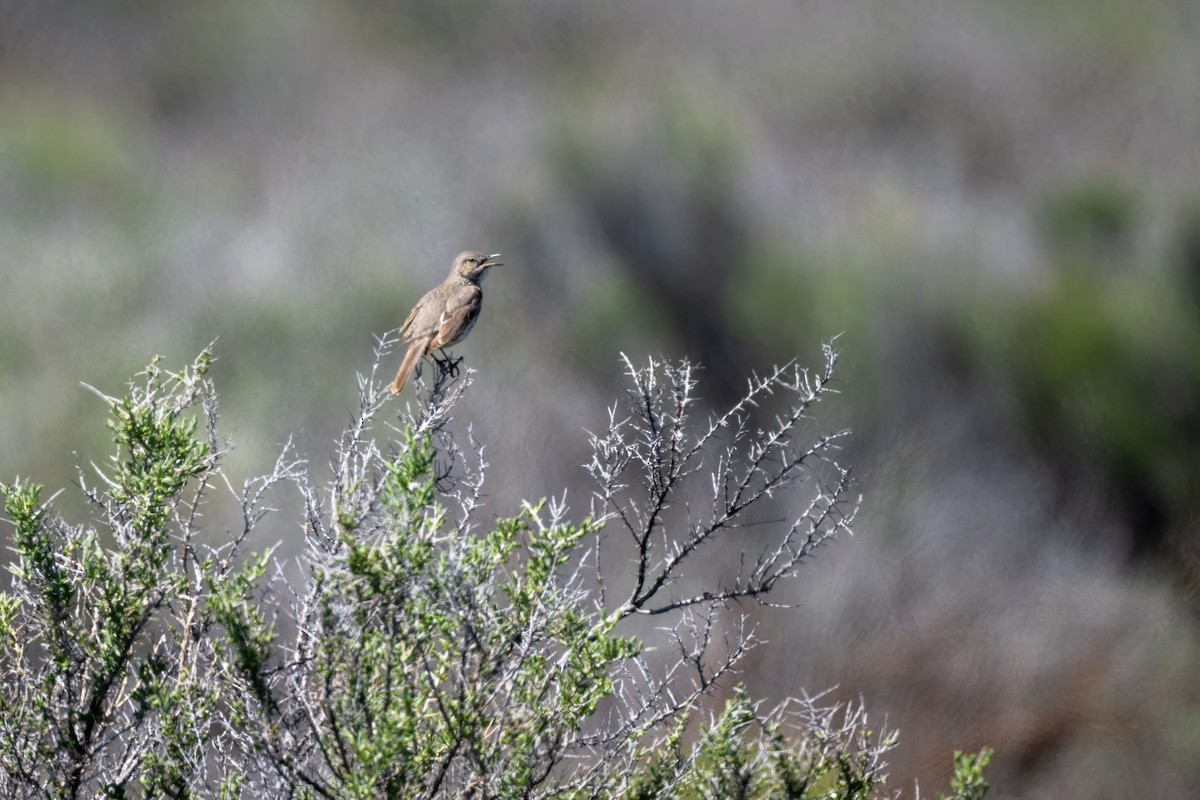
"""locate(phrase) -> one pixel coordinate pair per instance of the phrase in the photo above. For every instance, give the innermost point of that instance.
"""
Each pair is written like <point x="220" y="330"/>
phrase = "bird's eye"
<point x="470" y="261"/>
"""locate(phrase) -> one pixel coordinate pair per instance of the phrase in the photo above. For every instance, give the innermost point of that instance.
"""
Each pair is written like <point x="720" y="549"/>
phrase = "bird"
<point x="446" y="313"/>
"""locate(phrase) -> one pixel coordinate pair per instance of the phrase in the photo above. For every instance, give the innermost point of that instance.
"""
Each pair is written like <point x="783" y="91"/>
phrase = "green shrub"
<point x="415" y="649"/>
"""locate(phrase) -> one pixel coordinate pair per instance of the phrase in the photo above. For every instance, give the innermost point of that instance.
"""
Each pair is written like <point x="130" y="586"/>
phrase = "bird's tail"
<point x="415" y="351"/>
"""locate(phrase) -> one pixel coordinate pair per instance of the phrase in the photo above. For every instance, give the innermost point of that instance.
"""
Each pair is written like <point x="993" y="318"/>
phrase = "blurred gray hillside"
<point x="997" y="206"/>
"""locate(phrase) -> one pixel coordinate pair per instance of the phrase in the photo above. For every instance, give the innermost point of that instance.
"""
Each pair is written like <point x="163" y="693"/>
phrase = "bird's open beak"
<point x="487" y="262"/>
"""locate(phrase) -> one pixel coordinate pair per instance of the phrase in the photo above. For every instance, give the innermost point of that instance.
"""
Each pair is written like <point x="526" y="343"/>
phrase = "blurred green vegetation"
<point x="1091" y="224"/>
<point x="60" y="151"/>
<point x="1103" y="357"/>
<point x="1113" y="29"/>
<point x="617" y="316"/>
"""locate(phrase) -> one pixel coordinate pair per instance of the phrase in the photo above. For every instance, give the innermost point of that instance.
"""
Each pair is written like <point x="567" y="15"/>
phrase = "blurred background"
<point x="997" y="206"/>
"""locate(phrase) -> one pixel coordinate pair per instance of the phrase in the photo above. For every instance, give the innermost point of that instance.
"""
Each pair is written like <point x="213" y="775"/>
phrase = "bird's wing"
<point x="455" y="323"/>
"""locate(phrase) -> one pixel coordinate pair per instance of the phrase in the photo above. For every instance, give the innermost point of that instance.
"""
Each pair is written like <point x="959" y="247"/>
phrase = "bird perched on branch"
<point x="446" y="313"/>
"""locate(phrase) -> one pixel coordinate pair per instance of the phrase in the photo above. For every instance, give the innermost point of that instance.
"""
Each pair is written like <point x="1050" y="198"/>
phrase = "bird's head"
<point x="472" y="265"/>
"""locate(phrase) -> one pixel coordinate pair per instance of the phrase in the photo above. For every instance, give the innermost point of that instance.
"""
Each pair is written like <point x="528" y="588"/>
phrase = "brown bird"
<point x="445" y="314"/>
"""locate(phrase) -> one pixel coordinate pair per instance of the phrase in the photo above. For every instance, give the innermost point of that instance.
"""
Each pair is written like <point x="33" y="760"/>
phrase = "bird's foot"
<point x="447" y="364"/>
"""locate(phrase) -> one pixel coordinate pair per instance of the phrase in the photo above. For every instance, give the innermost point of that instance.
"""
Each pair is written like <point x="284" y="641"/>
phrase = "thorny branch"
<point x="660" y="446"/>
